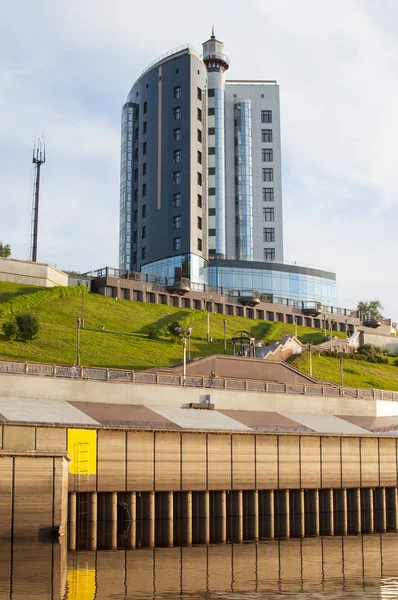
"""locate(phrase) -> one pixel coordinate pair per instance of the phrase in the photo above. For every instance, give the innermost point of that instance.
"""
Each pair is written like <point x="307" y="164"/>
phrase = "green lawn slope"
<point x="125" y="342"/>
<point x="357" y="374"/>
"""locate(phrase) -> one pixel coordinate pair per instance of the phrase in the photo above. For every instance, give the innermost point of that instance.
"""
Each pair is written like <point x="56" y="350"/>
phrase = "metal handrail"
<point x="175" y="379"/>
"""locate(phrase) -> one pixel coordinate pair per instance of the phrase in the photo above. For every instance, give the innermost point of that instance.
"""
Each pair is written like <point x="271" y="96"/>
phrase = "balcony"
<point x="249" y="298"/>
<point x="311" y="309"/>
<point x="180" y="286"/>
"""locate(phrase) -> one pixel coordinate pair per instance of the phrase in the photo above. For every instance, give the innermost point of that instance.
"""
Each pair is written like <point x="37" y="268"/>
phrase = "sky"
<point x="66" y="69"/>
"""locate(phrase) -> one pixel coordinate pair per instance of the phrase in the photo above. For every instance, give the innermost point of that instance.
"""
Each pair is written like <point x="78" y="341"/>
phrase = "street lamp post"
<point x="324" y="326"/>
<point x="225" y="336"/>
<point x="331" y="334"/>
<point x="310" y="349"/>
<point x="79" y="323"/>
<point x="83" y="285"/>
<point x="186" y="335"/>
<point x="295" y="326"/>
<point x="209" y="304"/>
<point x="341" y="372"/>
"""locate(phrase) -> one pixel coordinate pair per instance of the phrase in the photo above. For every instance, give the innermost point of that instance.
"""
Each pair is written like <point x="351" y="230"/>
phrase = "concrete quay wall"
<point x="70" y="390"/>
<point x="109" y="460"/>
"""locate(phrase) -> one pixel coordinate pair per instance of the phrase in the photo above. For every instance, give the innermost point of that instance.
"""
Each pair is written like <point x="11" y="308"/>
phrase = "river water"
<point x="325" y="567"/>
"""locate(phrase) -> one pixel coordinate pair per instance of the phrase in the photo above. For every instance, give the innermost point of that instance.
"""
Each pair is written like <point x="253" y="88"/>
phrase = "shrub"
<point x="154" y="333"/>
<point x="28" y="326"/>
<point x="10" y="330"/>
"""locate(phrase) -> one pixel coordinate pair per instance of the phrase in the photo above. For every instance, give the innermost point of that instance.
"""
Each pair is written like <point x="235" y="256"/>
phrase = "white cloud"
<point x="66" y="69"/>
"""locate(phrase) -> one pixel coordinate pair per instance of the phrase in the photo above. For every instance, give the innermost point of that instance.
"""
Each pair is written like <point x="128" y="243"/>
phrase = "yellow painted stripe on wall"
<point x="82" y="447"/>
<point x="81" y="584"/>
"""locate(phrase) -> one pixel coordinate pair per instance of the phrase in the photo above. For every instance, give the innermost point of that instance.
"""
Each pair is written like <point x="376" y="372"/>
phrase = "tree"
<point x="370" y="310"/>
<point x="5" y="250"/>
<point x="10" y="330"/>
<point x="28" y="326"/>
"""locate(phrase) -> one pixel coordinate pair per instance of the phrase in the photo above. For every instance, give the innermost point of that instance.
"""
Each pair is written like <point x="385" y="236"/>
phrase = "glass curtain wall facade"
<point x="309" y="285"/>
<point x="243" y="180"/>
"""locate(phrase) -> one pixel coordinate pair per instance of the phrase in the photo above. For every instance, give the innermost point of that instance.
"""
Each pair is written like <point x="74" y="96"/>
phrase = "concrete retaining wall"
<point x="30" y="273"/>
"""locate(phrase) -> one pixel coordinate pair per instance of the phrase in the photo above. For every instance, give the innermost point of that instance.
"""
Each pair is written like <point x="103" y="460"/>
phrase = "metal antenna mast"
<point x="38" y="159"/>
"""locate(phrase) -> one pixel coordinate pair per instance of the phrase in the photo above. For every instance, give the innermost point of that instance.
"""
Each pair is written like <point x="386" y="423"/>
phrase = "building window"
<point x="199" y="94"/>
<point x="177" y="199"/>
<point x="144" y="148"/>
<point x="136" y="112"/>
<point x="211" y="93"/>
<point x="135" y="216"/>
<point x="177" y="134"/>
<point x="211" y="112"/>
<point x="143" y="233"/>
<point x="177" y="71"/>
<point x="212" y="150"/>
<point x="135" y="174"/>
<point x="144" y="168"/>
<point x="268" y="174"/>
<point x="177" y="91"/>
<point x="136" y="154"/>
<point x="177" y="177"/>
<point x="177" y="243"/>
<point x="199" y="245"/>
<point x="143" y="211"/>
<point x="199" y="200"/>
<point x="269" y="253"/>
<point x="177" y="222"/>
<point x="268" y="214"/>
<point x="212" y="232"/>
<point x="211" y="131"/>
<point x="266" y="135"/>
<point x="212" y="191"/>
<point x="199" y="157"/>
<point x="267" y="154"/>
<point x="199" y="222"/>
<point x="212" y="212"/>
<point x="266" y="116"/>
<point x="135" y="195"/>
<point x="268" y="194"/>
<point x="145" y="126"/>
<point x="177" y="113"/>
<point x="177" y="156"/>
<point x="199" y="178"/>
<point x="199" y="114"/>
<point x="145" y="107"/>
<point x="134" y="237"/>
<point x="136" y="133"/>
<point x="143" y="253"/>
<point x="135" y="258"/>
<point x="144" y="189"/>
<point x="212" y="170"/>
<point x="200" y="135"/>
<point x="269" y="234"/>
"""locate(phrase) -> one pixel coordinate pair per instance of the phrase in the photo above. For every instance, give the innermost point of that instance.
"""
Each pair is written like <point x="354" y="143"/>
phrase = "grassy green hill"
<point x="125" y="342"/>
<point x="361" y="374"/>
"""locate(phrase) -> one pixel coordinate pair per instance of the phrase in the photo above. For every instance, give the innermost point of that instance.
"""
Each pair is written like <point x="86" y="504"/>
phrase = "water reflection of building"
<point x="44" y="571"/>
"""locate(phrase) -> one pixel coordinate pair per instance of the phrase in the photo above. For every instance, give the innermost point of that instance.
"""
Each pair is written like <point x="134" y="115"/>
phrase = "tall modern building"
<point x="201" y="188"/>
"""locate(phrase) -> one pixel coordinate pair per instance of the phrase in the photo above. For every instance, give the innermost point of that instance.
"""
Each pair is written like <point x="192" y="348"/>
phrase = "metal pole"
<point x="225" y="336"/>
<point x="36" y="213"/>
<point x="189" y="348"/>
<point x="78" y="341"/>
<point x="208" y="323"/>
<point x="331" y="334"/>
<point x="341" y="373"/>
<point x="295" y="326"/>
<point x="82" y="322"/>
<point x="310" y="349"/>
<point x="324" y="326"/>
<point x="184" y="344"/>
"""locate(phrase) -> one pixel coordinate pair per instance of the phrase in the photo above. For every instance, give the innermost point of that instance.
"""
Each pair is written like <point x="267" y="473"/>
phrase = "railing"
<point x="174" y="379"/>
